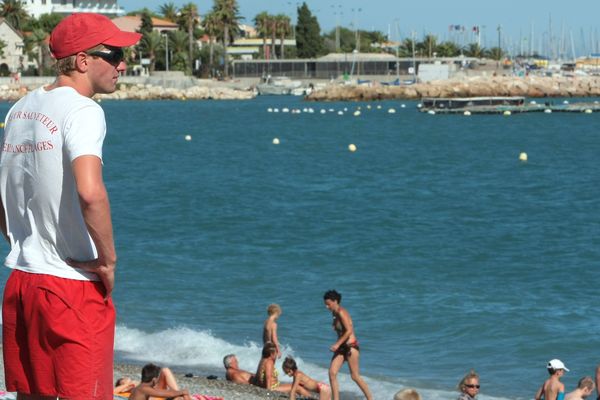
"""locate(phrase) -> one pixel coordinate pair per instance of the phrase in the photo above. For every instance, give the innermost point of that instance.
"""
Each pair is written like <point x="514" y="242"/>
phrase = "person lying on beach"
<point x="166" y="380"/>
<point x="149" y="387"/>
<point x="469" y="386"/>
<point x="585" y="387"/>
<point x="553" y="388"/>
<point x="270" y="327"/>
<point x="233" y="373"/>
<point x="266" y="375"/>
<point x="301" y="380"/>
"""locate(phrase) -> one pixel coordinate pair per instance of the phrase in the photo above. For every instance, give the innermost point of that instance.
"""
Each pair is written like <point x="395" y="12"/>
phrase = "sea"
<point x="450" y="253"/>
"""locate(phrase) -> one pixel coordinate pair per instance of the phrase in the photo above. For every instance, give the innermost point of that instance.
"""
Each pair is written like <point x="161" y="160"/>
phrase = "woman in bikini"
<point x="301" y="380"/>
<point x="345" y="348"/>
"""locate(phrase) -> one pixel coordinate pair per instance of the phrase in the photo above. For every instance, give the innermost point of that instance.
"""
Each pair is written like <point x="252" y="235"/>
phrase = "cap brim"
<point x="123" y="39"/>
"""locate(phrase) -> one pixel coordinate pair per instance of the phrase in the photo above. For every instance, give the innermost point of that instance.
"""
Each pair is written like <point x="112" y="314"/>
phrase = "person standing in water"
<point x="553" y="388"/>
<point x="346" y="348"/>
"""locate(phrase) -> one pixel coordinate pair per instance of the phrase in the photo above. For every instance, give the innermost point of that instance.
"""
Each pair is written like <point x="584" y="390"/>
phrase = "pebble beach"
<point x="218" y="387"/>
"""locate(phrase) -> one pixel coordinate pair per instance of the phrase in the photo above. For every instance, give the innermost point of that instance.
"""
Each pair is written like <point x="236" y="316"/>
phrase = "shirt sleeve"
<point x="84" y="133"/>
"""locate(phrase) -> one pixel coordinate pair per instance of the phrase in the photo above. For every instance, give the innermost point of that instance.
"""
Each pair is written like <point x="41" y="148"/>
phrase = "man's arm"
<point x="598" y="381"/>
<point x="95" y="207"/>
<point x="3" y="226"/>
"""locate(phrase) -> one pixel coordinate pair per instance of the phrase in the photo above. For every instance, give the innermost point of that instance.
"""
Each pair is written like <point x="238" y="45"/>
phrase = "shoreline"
<point x="245" y="89"/>
<point x="218" y="387"/>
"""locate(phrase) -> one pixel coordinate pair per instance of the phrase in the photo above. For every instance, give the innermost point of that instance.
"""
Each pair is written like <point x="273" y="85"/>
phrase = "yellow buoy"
<point x="523" y="156"/>
<point x="588" y="111"/>
<point x="276" y="141"/>
<point x="1" y="125"/>
<point x="507" y="113"/>
<point x="352" y="147"/>
<point x="356" y="113"/>
<point x="467" y="113"/>
<point x="188" y="137"/>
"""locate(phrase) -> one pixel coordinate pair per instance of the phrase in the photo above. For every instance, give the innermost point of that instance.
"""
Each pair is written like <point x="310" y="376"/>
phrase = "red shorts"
<point x="58" y="337"/>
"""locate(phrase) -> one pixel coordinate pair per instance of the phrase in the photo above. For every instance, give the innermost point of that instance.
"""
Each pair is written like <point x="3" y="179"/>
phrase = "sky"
<point x="573" y="24"/>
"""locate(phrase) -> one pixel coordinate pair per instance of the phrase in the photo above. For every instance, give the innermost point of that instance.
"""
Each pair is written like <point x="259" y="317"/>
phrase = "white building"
<point x="12" y="58"/>
<point x="110" y="8"/>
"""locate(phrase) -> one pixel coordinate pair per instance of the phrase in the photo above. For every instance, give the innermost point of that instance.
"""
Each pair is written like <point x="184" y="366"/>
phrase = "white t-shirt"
<point x="44" y="132"/>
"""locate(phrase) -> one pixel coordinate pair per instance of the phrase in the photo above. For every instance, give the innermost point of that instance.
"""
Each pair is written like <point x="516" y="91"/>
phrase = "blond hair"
<point x="407" y="394"/>
<point x="66" y="65"/>
<point x="586" y="383"/>
<point x="470" y="375"/>
<point x="273" y="309"/>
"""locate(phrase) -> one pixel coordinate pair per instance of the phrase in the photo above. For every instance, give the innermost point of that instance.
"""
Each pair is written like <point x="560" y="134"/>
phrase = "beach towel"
<point x="203" y="397"/>
<point x="125" y="397"/>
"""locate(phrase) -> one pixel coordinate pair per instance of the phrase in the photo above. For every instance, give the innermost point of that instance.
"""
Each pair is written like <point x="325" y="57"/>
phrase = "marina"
<point x="502" y="105"/>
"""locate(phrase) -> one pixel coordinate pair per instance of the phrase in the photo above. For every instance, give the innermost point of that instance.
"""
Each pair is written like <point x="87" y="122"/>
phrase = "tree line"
<point x="178" y="49"/>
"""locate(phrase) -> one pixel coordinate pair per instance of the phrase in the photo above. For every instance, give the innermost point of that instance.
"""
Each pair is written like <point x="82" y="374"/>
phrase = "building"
<point x="110" y="8"/>
<point x="132" y="23"/>
<point x="12" y="58"/>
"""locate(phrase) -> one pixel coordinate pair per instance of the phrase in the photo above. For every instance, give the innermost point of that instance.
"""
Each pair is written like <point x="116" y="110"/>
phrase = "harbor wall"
<point x="530" y="86"/>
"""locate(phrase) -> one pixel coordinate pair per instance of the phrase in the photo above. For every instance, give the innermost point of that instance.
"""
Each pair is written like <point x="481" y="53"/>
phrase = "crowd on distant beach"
<point x="161" y="382"/>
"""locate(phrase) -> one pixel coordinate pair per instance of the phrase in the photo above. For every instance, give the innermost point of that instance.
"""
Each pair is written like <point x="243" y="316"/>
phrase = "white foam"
<point x="186" y="347"/>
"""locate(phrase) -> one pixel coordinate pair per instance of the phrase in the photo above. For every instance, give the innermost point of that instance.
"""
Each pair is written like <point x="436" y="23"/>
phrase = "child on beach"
<point x="469" y="386"/>
<point x="304" y="381"/>
<point x="149" y="386"/>
<point x="266" y="374"/>
<point x="270" y="327"/>
<point x="553" y="388"/>
<point x="585" y="387"/>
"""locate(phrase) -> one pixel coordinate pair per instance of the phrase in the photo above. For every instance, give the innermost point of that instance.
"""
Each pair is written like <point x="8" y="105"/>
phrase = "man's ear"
<point x="81" y="61"/>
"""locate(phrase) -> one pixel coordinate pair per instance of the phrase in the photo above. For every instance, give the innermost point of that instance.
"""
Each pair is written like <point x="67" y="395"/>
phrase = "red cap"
<point x="82" y="31"/>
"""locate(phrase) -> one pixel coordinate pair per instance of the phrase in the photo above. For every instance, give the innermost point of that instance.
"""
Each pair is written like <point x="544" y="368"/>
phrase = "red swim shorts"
<point x="58" y="337"/>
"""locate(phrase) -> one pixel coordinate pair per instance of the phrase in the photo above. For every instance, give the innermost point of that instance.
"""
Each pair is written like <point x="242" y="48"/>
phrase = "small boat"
<point x="473" y="104"/>
<point x="279" y="86"/>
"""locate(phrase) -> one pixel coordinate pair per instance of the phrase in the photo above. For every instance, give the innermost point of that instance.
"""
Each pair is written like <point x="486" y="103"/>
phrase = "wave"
<point x="184" y="347"/>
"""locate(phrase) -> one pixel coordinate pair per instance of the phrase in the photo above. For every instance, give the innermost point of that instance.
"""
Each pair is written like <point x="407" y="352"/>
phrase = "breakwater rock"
<point x="13" y="92"/>
<point x="531" y="86"/>
<point x="151" y="92"/>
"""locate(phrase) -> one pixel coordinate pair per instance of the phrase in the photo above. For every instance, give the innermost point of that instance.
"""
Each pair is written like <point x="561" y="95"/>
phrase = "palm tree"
<point x="261" y="22"/>
<point x="273" y="25"/>
<point x="474" y="50"/>
<point x="189" y="13"/>
<point x="284" y="26"/>
<point x="169" y="11"/>
<point x="178" y="42"/>
<point x="495" y="53"/>
<point x="227" y="14"/>
<point x="14" y="13"/>
<point x="406" y="47"/>
<point x="37" y="39"/>
<point x="428" y="45"/>
<point x="152" y="43"/>
<point x="211" y="28"/>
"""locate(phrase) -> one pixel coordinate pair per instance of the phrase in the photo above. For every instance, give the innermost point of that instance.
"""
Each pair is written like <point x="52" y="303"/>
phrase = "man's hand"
<point x="105" y="272"/>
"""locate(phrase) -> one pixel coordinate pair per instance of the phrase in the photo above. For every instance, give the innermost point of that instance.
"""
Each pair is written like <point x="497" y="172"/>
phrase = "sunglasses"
<point x="111" y="56"/>
<point x="473" y="386"/>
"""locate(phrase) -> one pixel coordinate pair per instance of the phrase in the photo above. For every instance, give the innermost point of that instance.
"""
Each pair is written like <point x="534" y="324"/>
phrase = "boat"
<point x="450" y="105"/>
<point x="280" y="85"/>
<point x="500" y="105"/>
